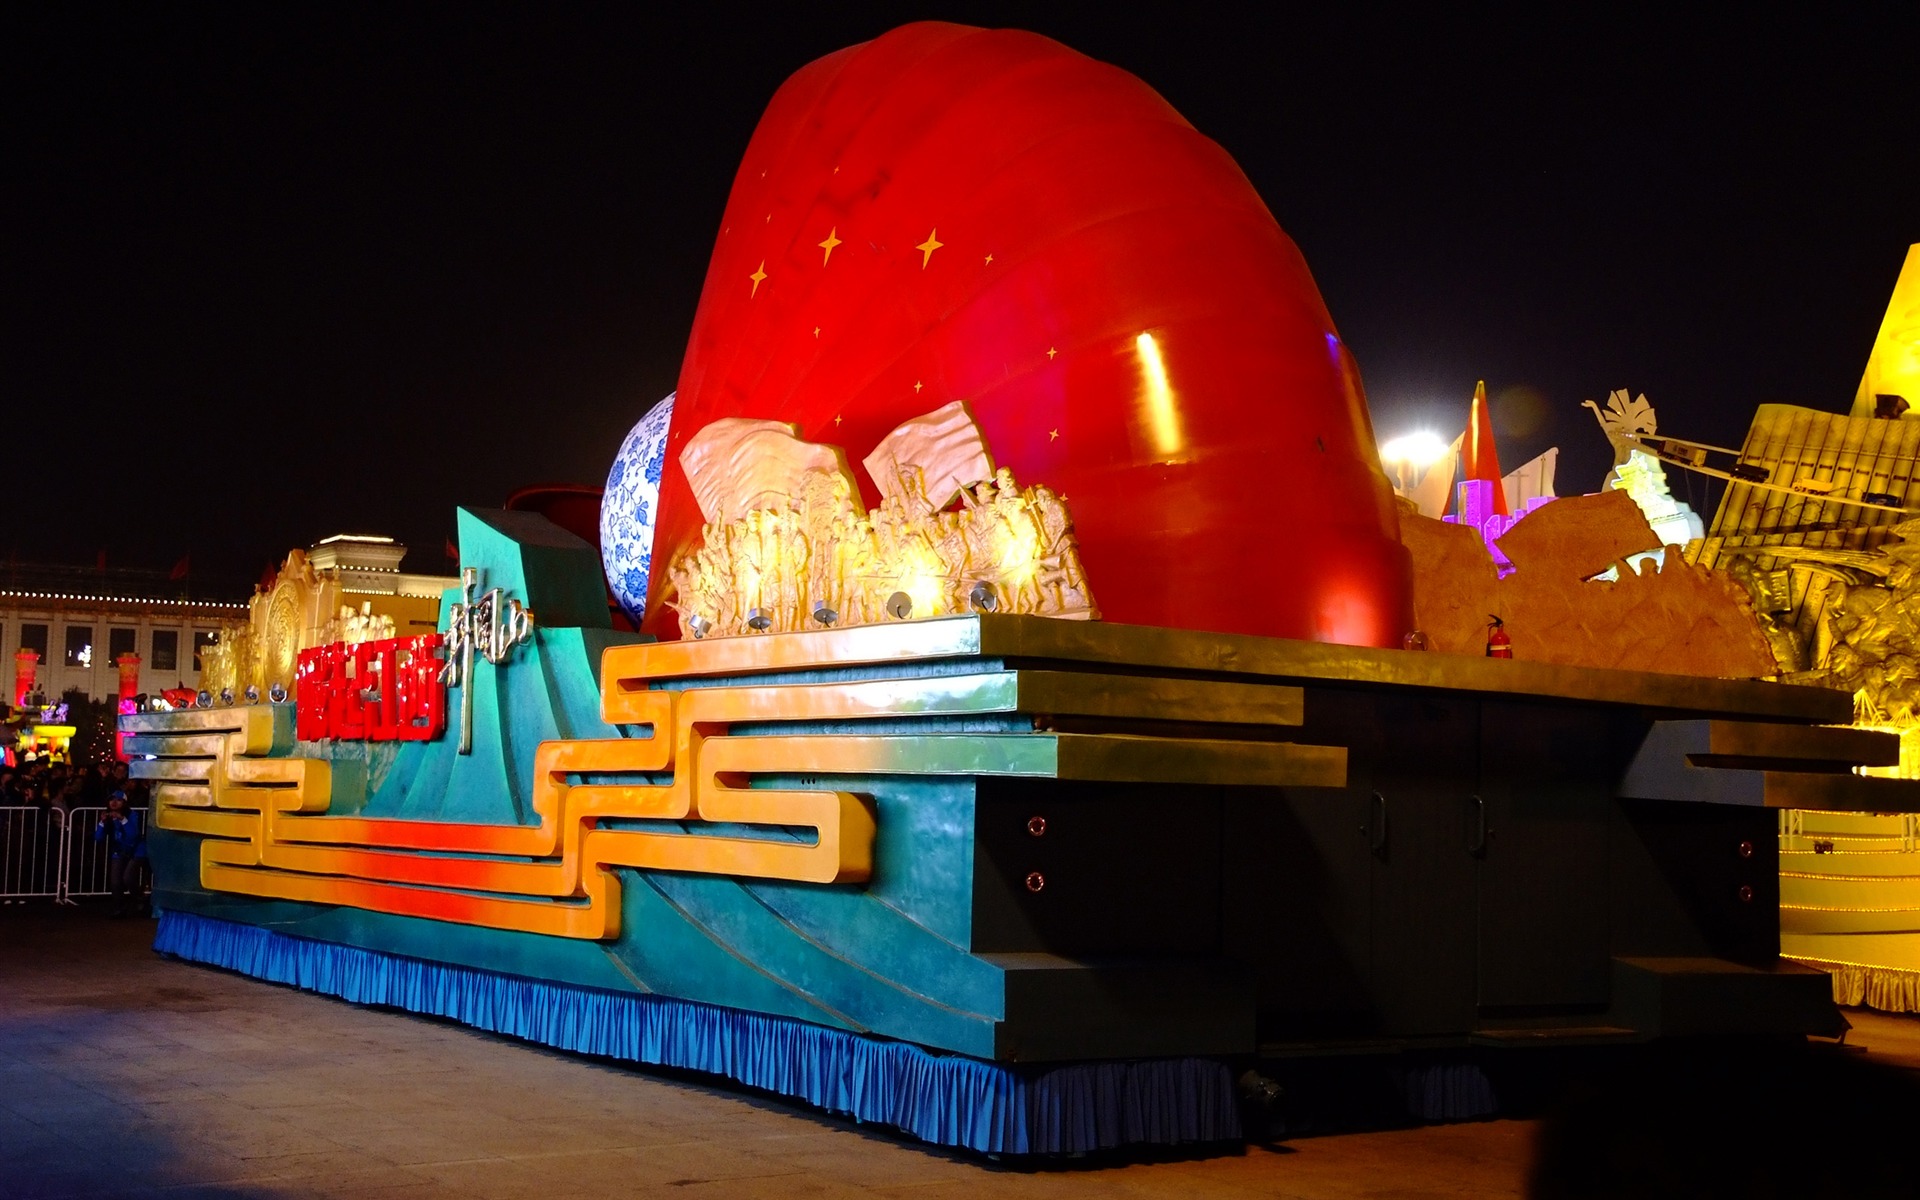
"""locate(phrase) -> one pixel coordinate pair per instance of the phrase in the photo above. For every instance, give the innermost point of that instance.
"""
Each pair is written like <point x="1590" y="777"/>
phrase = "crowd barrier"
<point x="45" y="854"/>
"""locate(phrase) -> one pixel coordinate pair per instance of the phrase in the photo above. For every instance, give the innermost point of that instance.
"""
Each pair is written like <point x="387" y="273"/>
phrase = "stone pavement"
<point x="123" y="1074"/>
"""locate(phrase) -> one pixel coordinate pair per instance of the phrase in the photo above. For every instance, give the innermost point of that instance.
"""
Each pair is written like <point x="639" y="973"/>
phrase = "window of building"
<point x="120" y="641"/>
<point x="202" y="638"/>
<point x="33" y="636"/>
<point x="166" y="650"/>
<point x="80" y="645"/>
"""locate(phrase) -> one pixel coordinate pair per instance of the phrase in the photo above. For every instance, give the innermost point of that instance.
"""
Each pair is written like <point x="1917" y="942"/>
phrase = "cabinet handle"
<point x="1477" y="839"/>
<point x="1377" y="821"/>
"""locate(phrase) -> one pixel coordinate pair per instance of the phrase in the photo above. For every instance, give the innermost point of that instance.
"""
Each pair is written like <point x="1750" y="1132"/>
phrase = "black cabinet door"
<point x="1297" y="904"/>
<point x="1421" y="776"/>
<point x="1546" y="792"/>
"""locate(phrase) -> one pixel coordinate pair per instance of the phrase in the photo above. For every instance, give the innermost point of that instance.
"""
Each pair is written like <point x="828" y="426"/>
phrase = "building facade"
<point x="79" y="624"/>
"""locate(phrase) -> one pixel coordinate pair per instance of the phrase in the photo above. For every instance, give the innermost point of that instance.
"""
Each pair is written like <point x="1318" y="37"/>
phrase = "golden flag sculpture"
<point x="739" y="465"/>
<point x="946" y="449"/>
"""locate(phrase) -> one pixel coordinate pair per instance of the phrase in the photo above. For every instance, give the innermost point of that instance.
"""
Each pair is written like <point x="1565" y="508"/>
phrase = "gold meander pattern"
<point x="223" y="774"/>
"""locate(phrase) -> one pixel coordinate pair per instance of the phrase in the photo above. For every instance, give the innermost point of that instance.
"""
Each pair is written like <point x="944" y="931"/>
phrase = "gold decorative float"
<point x="788" y="546"/>
<point x="309" y="603"/>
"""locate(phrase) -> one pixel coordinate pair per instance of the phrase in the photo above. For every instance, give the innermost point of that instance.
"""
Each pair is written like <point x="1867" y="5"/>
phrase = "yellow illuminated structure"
<point x="47" y="741"/>
<point x="1893" y="369"/>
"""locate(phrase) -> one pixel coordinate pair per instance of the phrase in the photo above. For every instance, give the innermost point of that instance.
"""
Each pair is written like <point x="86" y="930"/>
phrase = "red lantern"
<point x="952" y="213"/>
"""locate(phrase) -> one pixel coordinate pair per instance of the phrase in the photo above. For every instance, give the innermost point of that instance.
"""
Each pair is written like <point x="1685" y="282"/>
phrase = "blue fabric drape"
<point x="947" y="1099"/>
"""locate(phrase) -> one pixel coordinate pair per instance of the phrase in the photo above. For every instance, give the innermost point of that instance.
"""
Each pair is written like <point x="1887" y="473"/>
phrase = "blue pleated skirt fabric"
<point x="946" y="1099"/>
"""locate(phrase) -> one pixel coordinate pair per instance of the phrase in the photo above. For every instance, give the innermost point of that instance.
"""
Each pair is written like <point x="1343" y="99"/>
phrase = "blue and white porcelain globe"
<point x="630" y="506"/>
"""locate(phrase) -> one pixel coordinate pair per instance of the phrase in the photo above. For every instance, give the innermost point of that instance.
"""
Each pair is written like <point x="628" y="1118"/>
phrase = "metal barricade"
<point x="33" y="845"/>
<point x="84" y="862"/>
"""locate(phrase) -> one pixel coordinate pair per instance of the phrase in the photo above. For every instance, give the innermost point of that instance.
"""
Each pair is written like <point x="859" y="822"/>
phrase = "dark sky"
<point x="274" y="272"/>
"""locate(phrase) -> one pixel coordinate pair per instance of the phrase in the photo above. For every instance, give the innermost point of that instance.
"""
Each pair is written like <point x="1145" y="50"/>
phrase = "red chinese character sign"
<point x="950" y="213"/>
<point x="374" y="691"/>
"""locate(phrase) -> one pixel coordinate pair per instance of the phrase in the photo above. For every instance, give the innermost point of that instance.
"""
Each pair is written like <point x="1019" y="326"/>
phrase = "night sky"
<point x="279" y="272"/>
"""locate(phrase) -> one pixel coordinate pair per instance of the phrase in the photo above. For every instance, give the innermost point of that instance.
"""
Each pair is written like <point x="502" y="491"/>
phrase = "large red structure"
<point x="953" y="213"/>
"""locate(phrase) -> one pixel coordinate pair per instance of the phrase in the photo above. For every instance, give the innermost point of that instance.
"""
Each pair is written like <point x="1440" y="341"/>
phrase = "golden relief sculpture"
<point x="788" y="545"/>
<point x="301" y="609"/>
<point x="1867" y="638"/>
<point x="1676" y="618"/>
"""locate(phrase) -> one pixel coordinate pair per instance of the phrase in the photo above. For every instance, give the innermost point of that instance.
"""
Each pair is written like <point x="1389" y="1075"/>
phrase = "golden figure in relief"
<point x="809" y="556"/>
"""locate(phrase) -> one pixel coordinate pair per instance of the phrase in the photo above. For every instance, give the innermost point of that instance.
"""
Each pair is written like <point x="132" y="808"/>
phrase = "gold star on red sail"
<point x="759" y="276"/>
<point x="927" y="248"/>
<point x="829" y="244"/>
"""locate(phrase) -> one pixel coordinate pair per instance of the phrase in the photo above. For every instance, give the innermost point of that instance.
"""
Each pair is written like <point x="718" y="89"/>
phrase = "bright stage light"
<point x="1421" y="449"/>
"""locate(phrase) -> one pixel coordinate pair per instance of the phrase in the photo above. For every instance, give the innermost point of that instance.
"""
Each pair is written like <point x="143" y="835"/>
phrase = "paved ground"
<point x="123" y="1074"/>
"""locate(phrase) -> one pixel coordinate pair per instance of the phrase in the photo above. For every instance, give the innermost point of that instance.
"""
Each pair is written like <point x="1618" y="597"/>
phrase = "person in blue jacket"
<point x="120" y="828"/>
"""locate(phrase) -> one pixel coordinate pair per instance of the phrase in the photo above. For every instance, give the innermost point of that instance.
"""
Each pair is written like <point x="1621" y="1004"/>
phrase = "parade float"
<point x="1021" y="739"/>
<point x="1811" y="551"/>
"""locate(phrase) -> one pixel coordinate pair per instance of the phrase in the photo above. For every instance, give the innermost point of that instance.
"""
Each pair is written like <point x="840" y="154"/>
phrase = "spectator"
<point x="120" y="828"/>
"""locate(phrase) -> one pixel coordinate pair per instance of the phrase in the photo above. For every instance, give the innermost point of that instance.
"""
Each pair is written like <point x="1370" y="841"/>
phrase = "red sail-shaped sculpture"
<point x="954" y="213"/>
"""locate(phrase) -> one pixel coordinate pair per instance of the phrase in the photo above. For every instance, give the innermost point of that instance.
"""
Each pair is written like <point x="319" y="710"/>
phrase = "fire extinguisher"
<point x="1499" y="645"/>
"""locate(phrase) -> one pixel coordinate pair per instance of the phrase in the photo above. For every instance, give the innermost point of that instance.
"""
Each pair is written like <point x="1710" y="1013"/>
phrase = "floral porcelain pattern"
<point x="628" y="510"/>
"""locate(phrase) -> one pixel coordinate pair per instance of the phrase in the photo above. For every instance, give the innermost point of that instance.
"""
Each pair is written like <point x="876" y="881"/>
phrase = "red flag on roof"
<point x="1478" y="458"/>
<point x="180" y="568"/>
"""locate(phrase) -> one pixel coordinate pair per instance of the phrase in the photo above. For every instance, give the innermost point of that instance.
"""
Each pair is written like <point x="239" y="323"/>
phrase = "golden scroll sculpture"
<point x="788" y="544"/>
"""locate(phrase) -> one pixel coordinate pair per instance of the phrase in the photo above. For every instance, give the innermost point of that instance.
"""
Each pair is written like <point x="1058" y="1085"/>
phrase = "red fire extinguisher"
<point x="1499" y="645"/>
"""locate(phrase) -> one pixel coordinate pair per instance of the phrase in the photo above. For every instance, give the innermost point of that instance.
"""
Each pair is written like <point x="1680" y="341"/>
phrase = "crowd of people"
<point x="41" y="783"/>
<point x="38" y="803"/>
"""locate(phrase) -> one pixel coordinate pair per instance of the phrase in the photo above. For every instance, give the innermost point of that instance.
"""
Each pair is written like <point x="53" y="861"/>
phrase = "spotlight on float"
<point x="226" y="697"/>
<point x="277" y="693"/>
<point x="253" y="693"/>
<point x="758" y="620"/>
<point x="982" y="597"/>
<point x="1418" y="450"/>
<point x="203" y="699"/>
<point x="823" y="614"/>
<point x="141" y="703"/>
<point x="1407" y="457"/>
<point x="700" y="626"/>
<point x="900" y="606"/>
